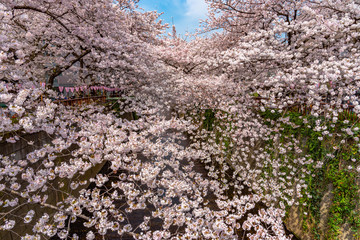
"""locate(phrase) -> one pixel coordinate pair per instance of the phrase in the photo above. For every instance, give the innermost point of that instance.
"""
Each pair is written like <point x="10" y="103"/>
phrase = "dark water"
<point x="136" y="217"/>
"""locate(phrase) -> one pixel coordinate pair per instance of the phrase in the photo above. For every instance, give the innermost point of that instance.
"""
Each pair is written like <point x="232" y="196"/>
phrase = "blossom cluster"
<point x="196" y="156"/>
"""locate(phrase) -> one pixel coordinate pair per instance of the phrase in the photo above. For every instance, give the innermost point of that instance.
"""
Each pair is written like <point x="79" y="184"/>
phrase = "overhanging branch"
<point x="59" y="70"/>
<point x="48" y="205"/>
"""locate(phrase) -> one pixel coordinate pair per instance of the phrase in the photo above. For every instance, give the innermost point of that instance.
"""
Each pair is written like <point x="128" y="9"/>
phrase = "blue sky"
<point x="186" y="13"/>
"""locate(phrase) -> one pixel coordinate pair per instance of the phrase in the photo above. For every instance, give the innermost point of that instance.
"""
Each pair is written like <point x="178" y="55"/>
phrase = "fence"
<point x="80" y="101"/>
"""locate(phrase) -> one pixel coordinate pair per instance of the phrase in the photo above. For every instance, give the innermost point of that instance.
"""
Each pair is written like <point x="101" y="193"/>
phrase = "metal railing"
<point x="80" y="101"/>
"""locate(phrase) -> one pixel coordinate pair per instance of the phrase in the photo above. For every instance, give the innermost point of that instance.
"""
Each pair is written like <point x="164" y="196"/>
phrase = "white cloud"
<point x="196" y="8"/>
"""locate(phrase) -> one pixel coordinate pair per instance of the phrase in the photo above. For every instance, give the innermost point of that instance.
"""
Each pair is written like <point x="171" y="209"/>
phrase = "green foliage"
<point x="270" y="115"/>
<point x="255" y="94"/>
<point x="345" y="193"/>
<point x="209" y="119"/>
<point x="345" y="189"/>
<point x="315" y="146"/>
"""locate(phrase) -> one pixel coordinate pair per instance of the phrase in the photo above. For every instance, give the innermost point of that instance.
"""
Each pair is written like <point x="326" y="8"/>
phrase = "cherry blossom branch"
<point x="47" y="205"/>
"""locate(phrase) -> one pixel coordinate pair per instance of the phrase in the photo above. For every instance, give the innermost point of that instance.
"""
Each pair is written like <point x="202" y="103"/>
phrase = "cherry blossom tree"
<point x="221" y="101"/>
<point x="95" y="40"/>
<point x="274" y="56"/>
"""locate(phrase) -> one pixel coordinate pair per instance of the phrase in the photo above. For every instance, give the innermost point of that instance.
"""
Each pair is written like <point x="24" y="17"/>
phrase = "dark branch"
<point x="58" y="70"/>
